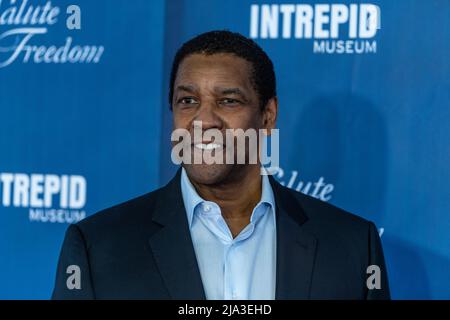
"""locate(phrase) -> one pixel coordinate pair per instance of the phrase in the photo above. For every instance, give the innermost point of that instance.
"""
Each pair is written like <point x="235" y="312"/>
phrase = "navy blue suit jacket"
<point x="142" y="249"/>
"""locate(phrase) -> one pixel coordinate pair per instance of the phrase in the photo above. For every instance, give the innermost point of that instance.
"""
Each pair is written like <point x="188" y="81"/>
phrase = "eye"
<point x="229" y="102"/>
<point x="187" y="101"/>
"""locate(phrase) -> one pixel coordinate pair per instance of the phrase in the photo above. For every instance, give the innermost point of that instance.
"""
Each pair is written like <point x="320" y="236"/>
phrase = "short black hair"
<point x="224" y="41"/>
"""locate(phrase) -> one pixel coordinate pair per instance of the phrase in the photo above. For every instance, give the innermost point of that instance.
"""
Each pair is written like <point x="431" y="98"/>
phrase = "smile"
<point x="208" y="146"/>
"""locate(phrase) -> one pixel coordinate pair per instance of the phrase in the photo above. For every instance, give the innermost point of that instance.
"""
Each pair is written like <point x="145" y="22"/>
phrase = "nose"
<point x="208" y="117"/>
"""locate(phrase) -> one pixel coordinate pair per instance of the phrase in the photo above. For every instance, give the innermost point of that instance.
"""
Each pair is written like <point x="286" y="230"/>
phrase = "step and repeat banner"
<point x="364" y="91"/>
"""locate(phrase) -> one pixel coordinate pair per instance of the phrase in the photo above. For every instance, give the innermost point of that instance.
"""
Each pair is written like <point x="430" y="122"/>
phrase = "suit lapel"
<point x="175" y="256"/>
<point x="296" y="248"/>
<point x="172" y="245"/>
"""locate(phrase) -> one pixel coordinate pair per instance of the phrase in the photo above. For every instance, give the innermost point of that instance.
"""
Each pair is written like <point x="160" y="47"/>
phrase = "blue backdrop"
<point x="364" y="93"/>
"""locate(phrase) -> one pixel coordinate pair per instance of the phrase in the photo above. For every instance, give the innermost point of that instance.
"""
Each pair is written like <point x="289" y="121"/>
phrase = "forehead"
<point x="220" y="69"/>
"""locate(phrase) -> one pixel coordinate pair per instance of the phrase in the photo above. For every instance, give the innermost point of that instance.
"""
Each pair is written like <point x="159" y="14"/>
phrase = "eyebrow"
<point x="193" y="89"/>
<point x="230" y="91"/>
<point x="187" y="88"/>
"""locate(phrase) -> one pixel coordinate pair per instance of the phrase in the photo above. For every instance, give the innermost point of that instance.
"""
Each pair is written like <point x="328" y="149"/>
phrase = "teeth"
<point x="208" y="146"/>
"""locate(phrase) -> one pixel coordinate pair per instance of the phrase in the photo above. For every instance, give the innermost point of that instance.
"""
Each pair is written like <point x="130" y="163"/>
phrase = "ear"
<point x="270" y="114"/>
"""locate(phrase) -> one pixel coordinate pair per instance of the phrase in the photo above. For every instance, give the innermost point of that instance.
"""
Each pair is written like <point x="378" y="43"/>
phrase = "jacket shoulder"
<point x="325" y="214"/>
<point x="120" y="220"/>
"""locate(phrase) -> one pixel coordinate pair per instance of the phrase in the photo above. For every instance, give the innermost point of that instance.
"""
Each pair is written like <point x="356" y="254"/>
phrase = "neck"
<point x="236" y="197"/>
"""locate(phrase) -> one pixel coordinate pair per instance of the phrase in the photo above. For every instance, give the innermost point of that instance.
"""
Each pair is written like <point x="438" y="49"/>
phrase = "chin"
<point x="208" y="174"/>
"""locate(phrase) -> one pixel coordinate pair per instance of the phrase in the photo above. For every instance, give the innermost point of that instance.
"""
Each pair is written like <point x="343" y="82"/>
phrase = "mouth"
<point x="208" y="146"/>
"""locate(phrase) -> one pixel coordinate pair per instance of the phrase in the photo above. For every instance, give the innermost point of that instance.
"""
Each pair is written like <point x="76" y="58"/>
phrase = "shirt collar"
<point x="192" y="199"/>
<point x="267" y="196"/>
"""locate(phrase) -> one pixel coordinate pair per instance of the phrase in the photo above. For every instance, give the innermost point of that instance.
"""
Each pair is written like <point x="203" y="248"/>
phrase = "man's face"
<point x="216" y="90"/>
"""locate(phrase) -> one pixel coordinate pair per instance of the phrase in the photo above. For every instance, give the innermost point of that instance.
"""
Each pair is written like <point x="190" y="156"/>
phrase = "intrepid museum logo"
<point x="48" y="197"/>
<point x="332" y="28"/>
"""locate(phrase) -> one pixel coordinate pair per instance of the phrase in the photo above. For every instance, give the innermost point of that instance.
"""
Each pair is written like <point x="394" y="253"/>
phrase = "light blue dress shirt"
<point x="243" y="268"/>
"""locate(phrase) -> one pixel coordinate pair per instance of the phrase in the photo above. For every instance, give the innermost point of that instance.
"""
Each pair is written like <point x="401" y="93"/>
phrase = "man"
<point x="222" y="231"/>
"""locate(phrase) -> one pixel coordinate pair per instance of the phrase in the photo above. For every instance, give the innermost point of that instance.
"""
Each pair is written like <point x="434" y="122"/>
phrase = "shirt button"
<point x="206" y="207"/>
